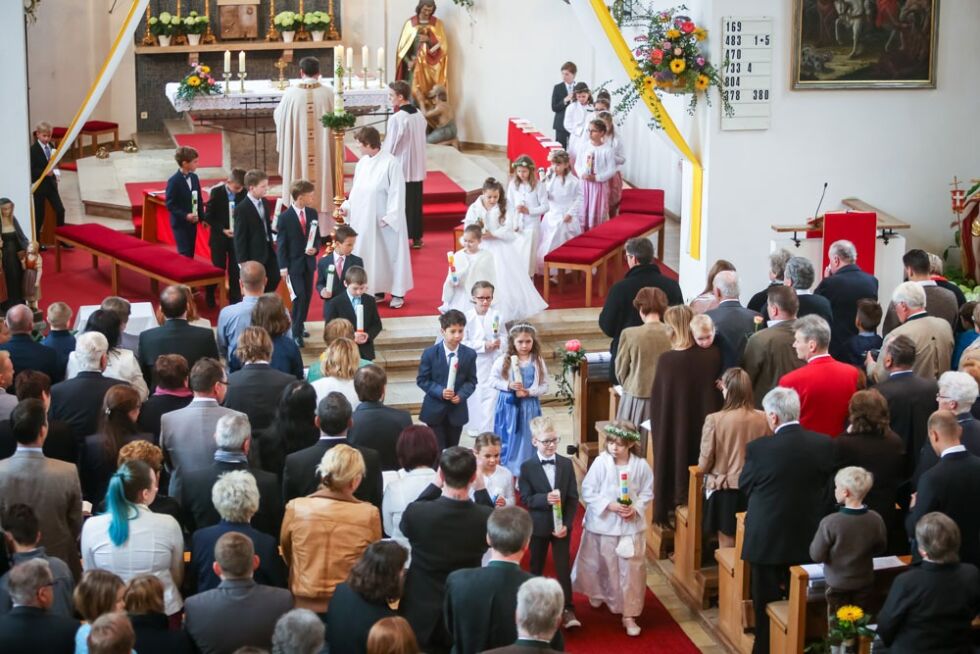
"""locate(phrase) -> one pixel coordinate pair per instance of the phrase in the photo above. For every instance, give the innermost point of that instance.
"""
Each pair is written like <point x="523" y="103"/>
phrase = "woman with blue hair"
<point x="130" y="540"/>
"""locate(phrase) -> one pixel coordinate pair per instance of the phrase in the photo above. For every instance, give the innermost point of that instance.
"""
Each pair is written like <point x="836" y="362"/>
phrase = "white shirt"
<point x="953" y="450"/>
<point x="549" y="470"/>
<point x="501" y="483"/>
<point x="121" y="364"/>
<point x="155" y="546"/>
<point x="326" y="385"/>
<point x="405" y="139"/>
<point x="398" y="495"/>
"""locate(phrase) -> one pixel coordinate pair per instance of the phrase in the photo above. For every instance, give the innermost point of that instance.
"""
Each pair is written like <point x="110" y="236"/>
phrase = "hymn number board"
<point x="747" y="71"/>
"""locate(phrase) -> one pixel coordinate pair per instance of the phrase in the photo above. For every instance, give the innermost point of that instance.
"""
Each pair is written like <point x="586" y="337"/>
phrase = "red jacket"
<point x="825" y="387"/>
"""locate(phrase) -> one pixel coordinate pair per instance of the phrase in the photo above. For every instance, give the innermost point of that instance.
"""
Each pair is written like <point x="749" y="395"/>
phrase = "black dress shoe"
<point x="306" y="334"/>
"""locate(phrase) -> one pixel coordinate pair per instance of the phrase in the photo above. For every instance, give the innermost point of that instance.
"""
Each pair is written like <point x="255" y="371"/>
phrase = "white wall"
<point x="15" y="164"/>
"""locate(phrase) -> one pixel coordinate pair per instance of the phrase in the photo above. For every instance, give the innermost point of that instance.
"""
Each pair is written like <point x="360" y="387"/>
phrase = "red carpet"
<point x="135" y="190"/>
<point x="443" y="202"/>
<point x="208" y="146"/>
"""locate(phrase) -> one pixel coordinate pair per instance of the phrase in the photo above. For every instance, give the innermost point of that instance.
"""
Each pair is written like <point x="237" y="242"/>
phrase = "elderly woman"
<point x="300" y="631"/>
<point x="723" y="440"/>
<point x="293" y="428"/>
<point x="418" y="453"/>
<point x="341" y="360"/>
<point x="930" y="607"/>
<point x="374" y="584"/>
<point x="870" y="443"/>
<point x="707" y="300"/>
<point x="236" y="497"/>
<point x="270" y="314"/>
<point x="121" y="363"/>
<point x="97" y="593"/>
<point x="683" y="394"/>
<point x="636" y="359"/>
<point x="117" y="427"/>
<point x="958" y="392"/>
<point x="336" y="328"/>
<point x="329" y="530"/>
<point x="143" y="597"/>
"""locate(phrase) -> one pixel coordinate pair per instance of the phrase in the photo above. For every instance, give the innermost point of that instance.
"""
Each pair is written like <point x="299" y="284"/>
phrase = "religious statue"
<point x="31" y="262"/>
<point x="967" y="207"/>
<point x="14" y="246"/>
<point x="422" y="59"/>
<point x="440" y="116"/>
<point x="302" y="142"/>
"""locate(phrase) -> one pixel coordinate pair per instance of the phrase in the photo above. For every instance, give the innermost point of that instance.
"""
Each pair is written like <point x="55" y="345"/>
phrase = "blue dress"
<point x="512" y="422"/>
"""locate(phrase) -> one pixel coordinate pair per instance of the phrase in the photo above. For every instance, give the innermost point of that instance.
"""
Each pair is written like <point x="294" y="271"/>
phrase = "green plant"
<point x="195" y="24"/>
<point x="344" y="120"/>
<point x="287" y="21"/>
<point x="316" y="21"/>
<point x="163" y="25"/>
<point x="570" y="356"/>
<point x="847" y="625"/>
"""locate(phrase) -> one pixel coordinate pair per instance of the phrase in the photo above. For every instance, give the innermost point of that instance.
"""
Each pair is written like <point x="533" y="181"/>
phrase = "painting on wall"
<point x="865" y="44"/>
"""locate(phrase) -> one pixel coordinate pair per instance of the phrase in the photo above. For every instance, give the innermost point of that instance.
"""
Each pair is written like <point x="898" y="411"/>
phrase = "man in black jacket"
<point x="175" y="336"/>
<point x="172" y="393"/>
<point x="253" y="229"/>
<point x="78" y="401"/>
<point x="221" y="204"/>
<point x="843" y="285"/>
<point x="375" y="425"/>
<point x="297" y="243"/>
<point x="618" y="312"/>
<point x="786" y="478"/>
<point x="561" y="96"/>
<point x="732" y="320"/>
<point x="29" y="626"/>
<point x="255" y="389"/>
<point x="184" y="201"/>
<point x="41" y="152"/>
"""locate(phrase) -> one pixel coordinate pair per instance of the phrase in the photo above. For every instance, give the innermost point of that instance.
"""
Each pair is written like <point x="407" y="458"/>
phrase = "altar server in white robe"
<point x="577" y="117"/>
<point x="302" y="142"/>
<point x="563" y="219"/>
<point x="526" y="196"/>
<point x="485" y="333"/>
<point x="469" y="265"/>
<point x="516" y="295"/>
<point x="405" y="139"/>
<point x="376" y="211"/>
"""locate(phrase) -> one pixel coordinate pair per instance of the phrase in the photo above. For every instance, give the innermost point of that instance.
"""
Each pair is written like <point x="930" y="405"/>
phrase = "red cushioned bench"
<point x="157" y="262"/>
<point x="646" y="202"/>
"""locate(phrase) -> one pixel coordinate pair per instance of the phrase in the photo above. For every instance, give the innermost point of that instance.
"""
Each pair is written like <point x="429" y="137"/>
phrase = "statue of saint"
<point x="33" y="266"/>
<point x="14" y="246"/>
<point x="440" y="116"/>
<point x="422" y="59"/>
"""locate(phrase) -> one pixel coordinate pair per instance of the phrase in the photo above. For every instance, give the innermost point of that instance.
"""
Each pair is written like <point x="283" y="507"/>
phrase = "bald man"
<point x="234" y="318"/>
<point x="24" y="352"/>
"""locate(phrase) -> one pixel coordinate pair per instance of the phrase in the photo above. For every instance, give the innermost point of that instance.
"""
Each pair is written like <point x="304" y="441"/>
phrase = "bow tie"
<point x="547" y="462"/>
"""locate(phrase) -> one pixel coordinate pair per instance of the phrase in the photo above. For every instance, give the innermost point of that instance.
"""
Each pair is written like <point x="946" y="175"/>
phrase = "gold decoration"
<point x="333" y="34"/>
<point x="208" y="37"/>
<point x="301" y="33"/>
<point x="179" y="38"/>
<point x="148" y="38"/>
<point x="283" y="83"/>
<point x="102" y="153"/>
<point x="273" y="33"/>
<point x="131" y="148"/>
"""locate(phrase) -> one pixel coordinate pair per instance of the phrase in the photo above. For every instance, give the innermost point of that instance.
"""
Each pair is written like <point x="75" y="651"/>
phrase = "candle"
<point x="194" y="202"/>
<point x="350" y="58"/>
<point x="515" y="369"/>
<point x="314" y="225"/>
<point x="331" y="269"/>
<point x="452" y="267"/>
<point x="338" y="56"/>
<point x="381" y="57"/>
<point x="451" y="381"/>
<point x="556" y="514"/>
<point x="227" y="61"/>
<point x="496" y="326"/>
<point x="241" y="61"/>
<point x="359" y="315"/>
<point x="231" y="212"/>
<point x="365" y="53"/>
<point x="624" y="488"/>
<point x="338" y="105"/>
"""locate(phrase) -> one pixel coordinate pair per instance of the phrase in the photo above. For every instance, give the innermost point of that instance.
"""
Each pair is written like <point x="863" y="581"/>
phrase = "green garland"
<point x="345" y="120"/>
<point x="619" y="432"/>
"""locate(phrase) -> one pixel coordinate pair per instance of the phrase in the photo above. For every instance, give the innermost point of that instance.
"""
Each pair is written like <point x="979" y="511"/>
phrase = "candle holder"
<point x="208" y="37"/>
<point x="333" y="34"/>
<point x="227" y="77"/>
<point x="273" y="33"/>
<point x="364" y="75"/>
<point x="381" y="78"/>
<point x="241" y="78"/>
<point x="148" y="39"/>
<point x="301" y="33"/>
<point x="179" y="38"/>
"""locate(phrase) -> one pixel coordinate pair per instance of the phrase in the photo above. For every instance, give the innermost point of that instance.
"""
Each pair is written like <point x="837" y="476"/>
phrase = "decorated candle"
<point x="365" y="53"/>
<point x="227" y="61"/>
<point x="381" y="57"/>
<point x="556" y="515"/>
<point x="338" y="56"/>
<point x="624" y="488"/>
<point x="496" y="326"/>
<point x="231" y="212"/>
<point x="359" y="316"/>
<point x="452" y="267"/>
<point x="241" y="61"/>
<point x="194" y="202"/>
<point x="515" y="369"/>
<point x="314" y="225"/>
<point x="451" y="381"/>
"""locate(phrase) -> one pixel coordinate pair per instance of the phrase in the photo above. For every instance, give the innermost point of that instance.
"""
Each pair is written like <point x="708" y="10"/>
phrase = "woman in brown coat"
<point x="683" y="394"/>
<point x="723" y="441"/>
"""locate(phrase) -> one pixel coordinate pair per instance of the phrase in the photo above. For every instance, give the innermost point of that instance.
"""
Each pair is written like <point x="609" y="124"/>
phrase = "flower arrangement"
<point x="671" y="58"/>
<point x="163" y="25"/>
<point x="570" y="356"/>
<point x="316" y="21"/>
<point x="844" y="628"/>
<point x="287" y="21"/>
<point x="335" y="121"/>
<point x="198" y="82"/>
<point x="195" y="24"/>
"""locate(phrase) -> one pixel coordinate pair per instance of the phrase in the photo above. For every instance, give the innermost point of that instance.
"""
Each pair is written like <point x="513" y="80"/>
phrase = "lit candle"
<point x="381" y="57"/>
<point x="515" y="369"/>
<point x="364" y="56"/>
<point x="227" y="61"/>
<point x="624" y="488"/>
<point x="241" y="61"/>
<point x="556" y="514"/>
<point x="350" y="58"/>
<point x="359" y="316"/>
<point x="451" y="381"/>
<point x="314" y="225"/>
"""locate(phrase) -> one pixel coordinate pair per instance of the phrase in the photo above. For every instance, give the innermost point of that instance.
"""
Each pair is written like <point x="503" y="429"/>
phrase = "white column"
<point x="15" y="164"/>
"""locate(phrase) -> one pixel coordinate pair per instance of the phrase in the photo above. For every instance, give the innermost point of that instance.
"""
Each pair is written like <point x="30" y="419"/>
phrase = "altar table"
<point x="523" y="138"/>
<point x="265" y="92"/>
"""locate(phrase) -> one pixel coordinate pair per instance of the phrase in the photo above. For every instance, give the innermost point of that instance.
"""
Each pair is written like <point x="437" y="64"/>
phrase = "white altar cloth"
<point x="266" y="91"/>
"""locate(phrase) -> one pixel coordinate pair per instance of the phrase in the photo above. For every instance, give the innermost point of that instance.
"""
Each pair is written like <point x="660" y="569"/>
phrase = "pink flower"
<point x="573" y="345"/>
<point x="667" y="45"/>
<point x="678" y="52"/>
<point x="700" y="61"/>
<point x="656" y="56"/>
<point x="687" y="27"/>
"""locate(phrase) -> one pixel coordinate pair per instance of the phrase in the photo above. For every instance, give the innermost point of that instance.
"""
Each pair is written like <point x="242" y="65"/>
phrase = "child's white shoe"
<point x="632" y="629"/>
<point x="595" y="603"/>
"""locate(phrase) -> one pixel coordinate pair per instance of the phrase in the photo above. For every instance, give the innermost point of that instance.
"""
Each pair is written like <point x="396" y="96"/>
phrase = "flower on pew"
<point x="570" y="356"/>
<point x="845" y="627"/>
<point x="197" y="82"/>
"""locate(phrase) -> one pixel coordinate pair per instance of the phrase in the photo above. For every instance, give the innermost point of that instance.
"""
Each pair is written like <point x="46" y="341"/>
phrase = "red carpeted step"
<point x="439" y="188"/>
<point x="135" y="192"/>
<point x="209" y="148"/>
<point x="350" y="156"/>
<point x="68" y="165"/>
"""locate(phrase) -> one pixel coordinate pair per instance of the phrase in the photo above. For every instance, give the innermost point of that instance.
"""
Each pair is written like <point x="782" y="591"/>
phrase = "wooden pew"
<point x="734" y="605"/>
<point x="695" y="584"/>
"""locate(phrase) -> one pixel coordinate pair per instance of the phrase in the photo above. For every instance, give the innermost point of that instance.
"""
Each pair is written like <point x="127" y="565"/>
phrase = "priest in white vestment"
<point x="300" y="134"/>
<point x="376" y="211"/>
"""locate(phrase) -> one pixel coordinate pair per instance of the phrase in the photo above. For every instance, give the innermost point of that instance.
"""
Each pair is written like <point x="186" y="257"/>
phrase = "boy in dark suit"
<point x="547" y="479"/>
<point x="252" y="231"/>
<point x="344" y="306"/>
<point x="867" y="339"/>
<point x="330" y="270"/>
<point x="41" y="152"/>
<point x="444" y="409"/>
<point x="60" y="338"/>
<point x="221" y="205"/>
<point x="561" y="96"/>
<point x="297" y="243"/>
<point x="184" y="200"/>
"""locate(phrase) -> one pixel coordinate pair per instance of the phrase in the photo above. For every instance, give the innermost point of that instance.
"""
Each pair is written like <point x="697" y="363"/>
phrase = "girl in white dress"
<point x="616" y="183"/>
<point x="610" y="568"/>
<point x="563" y="220"/>
<point x="577" y="116"/>
<point x="525" y="193"/>
<point x="484" y="327"/>
<point x="516" y="295"/>
<point x="498" y="479"/>
<point x="472" y="265"/>
<point x="595" y="166"/>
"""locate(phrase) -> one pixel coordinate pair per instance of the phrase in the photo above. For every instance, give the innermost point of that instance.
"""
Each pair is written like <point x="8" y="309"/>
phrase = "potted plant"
<point x="570" y="356"/>
<point x="287" y="23"/>
<point x="194" y="26"/>
<point x="844" y="629"/>
<point x="162" y="27"/>
<point x="316" y="23"/>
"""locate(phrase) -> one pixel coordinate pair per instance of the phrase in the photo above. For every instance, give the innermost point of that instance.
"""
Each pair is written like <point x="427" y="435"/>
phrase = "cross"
<point x="281" y="65"/>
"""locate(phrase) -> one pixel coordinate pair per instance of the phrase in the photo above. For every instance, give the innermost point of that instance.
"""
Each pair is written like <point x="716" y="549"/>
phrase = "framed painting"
<point x="865" y="44"/>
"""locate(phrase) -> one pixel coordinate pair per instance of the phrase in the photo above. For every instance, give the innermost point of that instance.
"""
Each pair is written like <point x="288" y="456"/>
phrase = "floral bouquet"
<point x="316" y="21"/>
<point x="195" y="24"/>
<point x="198" y="82"/>
<point x="570" y="356"/>
<point x="163" y="25"/>
<point x="287" y="21"/>
<point x="844" y="629"/>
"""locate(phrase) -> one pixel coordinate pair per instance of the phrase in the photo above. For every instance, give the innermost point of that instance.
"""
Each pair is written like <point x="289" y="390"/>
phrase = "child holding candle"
<point x="520" y="377"/>
<point x="472" y="265"/>
<point x="498" y="480"/>
<point x="595" y="166"/>
<point x="576" y="122"/>
<point x="444" y="409"/>
<point x="548" y="490"/>
<point x="183" y="199"/>
<point x="331" y="268"/>
<point x="526" y="193"/>
<point x="563" y="219"/>
<point x="483" y="332"/>
<point x="619" y="155"/>
<point x="359" y="307"/>
<point x="610" y="568"/>
<point x="219" y="214"/>
<point x="297" y="243"/>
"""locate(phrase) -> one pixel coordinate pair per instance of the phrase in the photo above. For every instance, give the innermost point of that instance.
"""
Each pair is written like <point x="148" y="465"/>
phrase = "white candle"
<point x="364" y="56"/>
<point x="338" y="56"/>
<point x="241" y="61"/>
<point x="350" y="58"/>
<point x="227" y="61"/>
<point x="359" y="316"/>
<point x="314" y="225"/>
<point x="451" y="382"/>
<point x="381" y="58"/>
<point x="515" y="368"/>
<point x="231" y="212"/>
<point x="194" y="202"/>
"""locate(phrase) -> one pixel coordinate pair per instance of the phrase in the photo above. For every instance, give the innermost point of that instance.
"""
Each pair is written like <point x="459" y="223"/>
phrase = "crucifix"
<point x="283" y="82"/>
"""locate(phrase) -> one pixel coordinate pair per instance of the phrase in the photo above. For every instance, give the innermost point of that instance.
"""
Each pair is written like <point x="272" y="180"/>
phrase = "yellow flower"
<point x="193" y="80"/>
<point x="702" y="82"/>
<point x="673" y="34"/>
<point x="700" y="34"/>
<point x="205" y="69"/>
<point x="677" y="66"/>
<point x="850" y="613"/>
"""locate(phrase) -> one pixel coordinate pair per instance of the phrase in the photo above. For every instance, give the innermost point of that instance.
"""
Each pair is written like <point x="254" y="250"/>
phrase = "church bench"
<point x="584" y="257"/>
<point x="694" y="583"/>
<point x="734" y="603"/>
<point x="94" y="129"/>
<point x="646" y="202"/>
<point x="99" y="240"/>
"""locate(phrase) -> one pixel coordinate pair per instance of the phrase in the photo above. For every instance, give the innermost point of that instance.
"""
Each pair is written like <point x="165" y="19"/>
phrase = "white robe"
<point x="405" y="139"/>
<point x="470" y="269"/>
<point x="294" y="124"/>
<point x="601" y="487"/>
<point x="577" y="117"/>
<point x="376" y="211"/>
<point x="521" y="194"/>
<point x="515" y="293"/>
<point x="479" y="330"/>
<point x="564" y="195"/>
<point x="603" y="163"/>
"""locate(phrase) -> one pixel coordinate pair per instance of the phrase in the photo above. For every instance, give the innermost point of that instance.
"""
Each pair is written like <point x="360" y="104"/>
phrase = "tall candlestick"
<point x="364" y="56"/>
<point x="241" y="61"/>
<point x="227" y="61"/>
<point x="148" y="37"/>
<point x="332" y="33"/>
<point x="208" y="37"/>
<point x="272" y="34"/>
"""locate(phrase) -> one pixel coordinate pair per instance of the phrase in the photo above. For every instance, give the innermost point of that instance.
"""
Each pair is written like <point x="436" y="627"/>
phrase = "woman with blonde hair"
<point x="706" y="300"/>
<point x="143" y="597"/>
<point x="392" y="636"/>
<point x="336" y="328"/>
<point x="329" y="530"/>
<point x="340" y="361"/>
<point x="723" y="440"/>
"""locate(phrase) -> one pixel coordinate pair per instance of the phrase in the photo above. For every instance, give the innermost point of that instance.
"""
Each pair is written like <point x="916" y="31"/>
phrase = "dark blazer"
<point x="480" y="606"/>
<point x="216" y="214"/>
<point x="153" y="635"/>
<point x="350" y="618"/>
<point x="271" y="570"/>
<point x="558" y="95"/>
<point x="96" y="465"/>
<point x="254" y="239"/>
<point x="843" y="289"/>
<point x="618" y="312"/>
<point x="175" y="336"/>
<point x="38" y="163"/>
<point x="534" y="487"/>
<point x="78" y="401"/>
<point x="154" y="407"/>
<point x="786" y="480"/>
<point x="911" y="400"/>
<point x="340" y="307"/>
<point x="523" y="646"/>
<point x="377" y="427"/>
<point x="179" y="202"/>
<point x="929" y="609"/>
<point x="199" y="511"/>
<point x="970" y="439"/>
<point x="61" y="341"/>
<point x="883" y="457"/>
<point x="432" y="378"/>
<point x="29" y="630"/>
<point x="952" y="487"/>
<point x="291" y="244"/>
<point x="253" y="609"/>
<point x="446" y="535"/>
<point x="760" y="300"/>
<point x="60" y="443"/>
<point x="300" y="478"/>
<point x="29" y="355"/>
<point x="736" y="324"/>
<point x="254" y="390"/>
<point x="336" y="283"/>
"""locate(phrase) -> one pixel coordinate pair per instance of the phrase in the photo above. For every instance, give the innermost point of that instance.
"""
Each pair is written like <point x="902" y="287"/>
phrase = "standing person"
<point x="473" y="265"/>
<point x="253" y="229"/>
<point x="576" y="121"/>
<point x="418" y="455"/>
<point x="769" y="352"/>
<point x="939" y="302"/>
<point x="222" y="201"/>
<point x="175" y="336"/>
<point x="563" y="219"/>
<point x="405" y="140"/>
<point x="234" y="318"/>
<point x="14" y="243"/>
<point x="538" y="617"/>
<point x="498" y="479"/>
<point x="932" y="335"/>
<point x="619" y="156"/>
<point x="331" y="268"/>
<point x="296" y="249"/>
<point x="376" y="209"/>
<point x="595" y="165"/>
<point x="735" y="322"/>
<point x="375" y="425"/>
<point x="41" y="152"/>
<point x="22" y="534"/>
<point x="374" y="584"/>
<point x="777" y="273"/>
<point x="444" y="409"/>
<point x="483" y="326"/>
<point x="844" y="283"/>
<point x="184" y="201"/>
<point x="561" y="96"/>
<point x="31" y="626"/>
<point x="526" y="193"/>
<point x="345" y="304"/>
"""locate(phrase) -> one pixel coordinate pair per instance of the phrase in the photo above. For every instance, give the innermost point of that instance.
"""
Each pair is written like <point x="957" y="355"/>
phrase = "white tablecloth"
<point x="264" y="90"/>
<point x="141" y="317"/>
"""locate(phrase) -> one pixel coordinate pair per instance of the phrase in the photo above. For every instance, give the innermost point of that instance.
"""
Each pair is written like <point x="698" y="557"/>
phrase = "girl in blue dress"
<point x="520" y="378"/>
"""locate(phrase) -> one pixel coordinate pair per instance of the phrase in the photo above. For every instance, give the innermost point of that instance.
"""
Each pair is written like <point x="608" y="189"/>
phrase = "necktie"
<point x="449" y="361"/>
<point x="547" y="462"/>
<point x="340" y="266"/>
<point x="47" y="151"/>
<point x="302" y="220"/>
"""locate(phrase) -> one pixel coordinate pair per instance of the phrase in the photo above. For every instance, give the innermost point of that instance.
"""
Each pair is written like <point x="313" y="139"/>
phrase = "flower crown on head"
<point x="619" y="432"/>
<point x="523" y="161"/>
<point x="522" y="327"/>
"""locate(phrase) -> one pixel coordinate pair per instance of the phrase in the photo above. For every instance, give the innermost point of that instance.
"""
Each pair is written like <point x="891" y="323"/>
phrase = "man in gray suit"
<point x="187" y="435"/>
<point x="735" y="322"/>
<point x="49" y="486"/>
<point x="253" y="608"/>
<point x="769" y="354"/>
